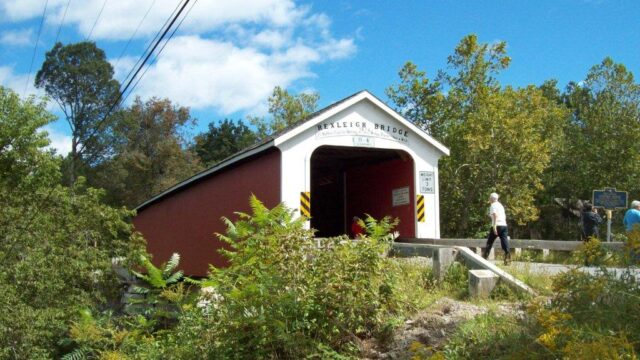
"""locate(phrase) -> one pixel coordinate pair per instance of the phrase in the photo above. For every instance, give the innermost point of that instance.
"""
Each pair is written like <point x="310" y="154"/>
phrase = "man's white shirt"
<point x="498" y="209"/>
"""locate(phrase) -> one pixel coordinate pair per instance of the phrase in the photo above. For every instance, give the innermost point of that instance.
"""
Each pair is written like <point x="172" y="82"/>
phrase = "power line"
<point x="121" y="93"/>
<point x="35" y="48"/>
<point x="62" y="21"/>
<point x="160" y="52"/>
<point x="97" y="19"/>
<point x="149" y="54"/>
<point x="134" y="33"/>
<point x="153" y="41"/>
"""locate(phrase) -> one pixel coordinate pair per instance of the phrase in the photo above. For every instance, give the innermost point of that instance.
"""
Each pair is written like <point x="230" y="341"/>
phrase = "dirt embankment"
<point x="430" y="329"/>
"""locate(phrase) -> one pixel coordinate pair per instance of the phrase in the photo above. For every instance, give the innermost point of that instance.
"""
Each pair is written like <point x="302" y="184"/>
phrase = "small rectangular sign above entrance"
<point x="363" y="141"/>
<point x="400" y="196"/>
<point x="427" y="182"/>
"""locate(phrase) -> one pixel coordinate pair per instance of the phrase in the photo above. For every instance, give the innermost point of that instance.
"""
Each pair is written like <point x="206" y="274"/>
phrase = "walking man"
<point x="498" y="228"/>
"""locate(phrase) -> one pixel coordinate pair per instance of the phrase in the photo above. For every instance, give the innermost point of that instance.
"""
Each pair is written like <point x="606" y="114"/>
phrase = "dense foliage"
<point x="286" y="110"/>
<point x="151" y="152"/>
<point x="80" y="79"/>
<point x="223" y="140"/>
<point x="531" y="145"/>
<point x="500" y="139"/>
<point x="57" y="242"/>
<point x="283" y="297"/>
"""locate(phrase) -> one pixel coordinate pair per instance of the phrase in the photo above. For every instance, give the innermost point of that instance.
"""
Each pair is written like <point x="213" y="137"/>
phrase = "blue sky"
<point x="228" y="55"/>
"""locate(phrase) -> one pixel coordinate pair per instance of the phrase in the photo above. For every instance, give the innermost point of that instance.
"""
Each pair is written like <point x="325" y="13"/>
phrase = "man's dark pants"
<point x="504" y="241"/>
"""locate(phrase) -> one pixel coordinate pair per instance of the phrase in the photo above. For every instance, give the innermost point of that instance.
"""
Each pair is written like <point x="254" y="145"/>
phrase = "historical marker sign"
<point x="610" y="199"/>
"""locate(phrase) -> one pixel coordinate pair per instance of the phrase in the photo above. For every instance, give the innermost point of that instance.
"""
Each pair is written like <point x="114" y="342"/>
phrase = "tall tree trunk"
<point x="72" y="163"/>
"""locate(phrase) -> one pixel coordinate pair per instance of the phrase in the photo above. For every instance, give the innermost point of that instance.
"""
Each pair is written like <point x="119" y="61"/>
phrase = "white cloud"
<point x="24" y="9"/>
<point x="17" y="38"/>
<point x="271" y="39"/>
<point x="227" y="56"/>
<point x="17" y="82"/>
<point x="119" y="19"/>
<point x="205" y="73"/>
<point x="213" y="74"/>
<point x="60" y="142"/>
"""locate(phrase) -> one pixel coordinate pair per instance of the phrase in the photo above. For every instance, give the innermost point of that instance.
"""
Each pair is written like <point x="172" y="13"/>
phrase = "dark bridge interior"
<point x="352" y="181"/>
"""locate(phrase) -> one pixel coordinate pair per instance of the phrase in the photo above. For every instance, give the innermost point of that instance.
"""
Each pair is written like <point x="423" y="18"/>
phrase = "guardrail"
<point x="515" y="244"/>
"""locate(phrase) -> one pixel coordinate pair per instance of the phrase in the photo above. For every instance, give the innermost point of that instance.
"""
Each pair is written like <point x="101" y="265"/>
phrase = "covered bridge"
<point x="357" y="156"/>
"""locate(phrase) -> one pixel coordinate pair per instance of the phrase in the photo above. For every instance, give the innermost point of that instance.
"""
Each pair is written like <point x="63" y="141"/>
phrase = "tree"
<point x="56" y="243"/>
<point x="286" y="110"/>
<point x="223" y="140"/>
<point x="500" y="139"/>
<point x="80" y="79"/>
<point x="151" y="154"/>
<point x="419" y="100"/>
<point x="603" y="132"/>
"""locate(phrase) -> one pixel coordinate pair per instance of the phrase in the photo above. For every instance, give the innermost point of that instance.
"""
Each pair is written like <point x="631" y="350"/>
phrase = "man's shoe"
<point x="507" y="258"/>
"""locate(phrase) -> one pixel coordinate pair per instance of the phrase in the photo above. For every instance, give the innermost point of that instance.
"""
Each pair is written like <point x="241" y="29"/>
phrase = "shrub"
<point x="591" y="316"/>
<point x="591" y="253"/>
<point x="56" y="243"/>
<point x="632" y="247"/>
<point x="282" y="296"/>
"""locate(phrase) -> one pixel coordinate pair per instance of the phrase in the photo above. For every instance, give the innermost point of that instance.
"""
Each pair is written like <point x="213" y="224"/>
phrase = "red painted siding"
<point x="186" y="221"/>
<point x="369" y="190"/>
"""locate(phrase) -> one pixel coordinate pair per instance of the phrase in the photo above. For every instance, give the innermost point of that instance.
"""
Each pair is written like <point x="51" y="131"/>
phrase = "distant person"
<point x="498" y="228"/>
<point x="356" y="228"/>
<point x="590" y="222"/>
<point x="632" y="216"/>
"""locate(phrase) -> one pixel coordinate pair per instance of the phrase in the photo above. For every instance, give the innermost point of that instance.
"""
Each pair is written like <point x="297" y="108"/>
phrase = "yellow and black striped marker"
<point x="305" y="204"/>
<point x="420" y="209"/>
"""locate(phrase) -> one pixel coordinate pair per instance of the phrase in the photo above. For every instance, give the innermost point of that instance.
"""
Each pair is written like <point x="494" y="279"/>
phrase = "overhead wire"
<point x="135" y="32"/>
<point x="150" y="44"/>
<point x="159" y="52"/>
<point x="35" y="47"/>
<point x="62" y="21"/>
<point x="130" y="81"/>
<point x="97" y="19"/>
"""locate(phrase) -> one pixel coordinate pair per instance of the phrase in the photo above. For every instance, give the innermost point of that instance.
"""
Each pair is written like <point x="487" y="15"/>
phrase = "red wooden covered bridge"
<point x="353" y="157"/>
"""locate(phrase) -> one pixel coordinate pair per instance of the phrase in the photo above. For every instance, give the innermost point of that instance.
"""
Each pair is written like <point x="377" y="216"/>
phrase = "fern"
<point x="80" y="353"/>
<point x="171" y="265"/>
<point x="175" y="277"/>
<point x="160" y="278"/>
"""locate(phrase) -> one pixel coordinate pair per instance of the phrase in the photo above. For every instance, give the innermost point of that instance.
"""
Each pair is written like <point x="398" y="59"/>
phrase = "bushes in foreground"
<point x="281" y="296"/>
<point x="56" y="242"/>
<point x="588" y="317"/>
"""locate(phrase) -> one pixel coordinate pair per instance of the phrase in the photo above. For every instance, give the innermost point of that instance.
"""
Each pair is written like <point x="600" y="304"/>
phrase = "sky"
<point x="227" y="56"/>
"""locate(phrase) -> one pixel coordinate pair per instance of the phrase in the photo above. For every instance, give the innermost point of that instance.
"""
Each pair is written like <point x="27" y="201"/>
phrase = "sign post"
<point x="609" y="199"/>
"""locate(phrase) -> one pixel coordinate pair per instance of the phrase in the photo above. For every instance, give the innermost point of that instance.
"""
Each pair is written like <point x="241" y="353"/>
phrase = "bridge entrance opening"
<point x="354" y="181"/>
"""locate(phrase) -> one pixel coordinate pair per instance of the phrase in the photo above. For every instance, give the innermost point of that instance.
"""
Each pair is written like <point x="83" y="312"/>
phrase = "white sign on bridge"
<point x="427" y="182"/>
<point x="400" y="196"/>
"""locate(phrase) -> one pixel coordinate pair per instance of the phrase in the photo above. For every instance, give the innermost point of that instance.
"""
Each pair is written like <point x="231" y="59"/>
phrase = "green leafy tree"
<point x="603" y="148"/>
<point x="419" y="100"/>
<point x="286" y="110"/>
<point x="223" y="140"/>
<point x="151" y="154"/>
<point x="56" y="243"/>
<point x="500" y="139"/>
<point x="80" y="79"/>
